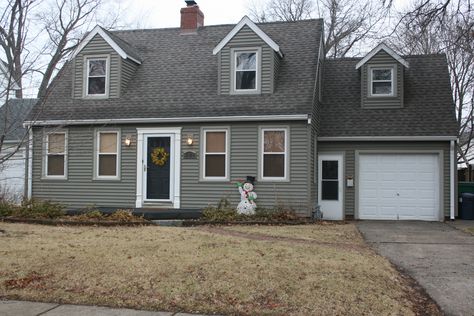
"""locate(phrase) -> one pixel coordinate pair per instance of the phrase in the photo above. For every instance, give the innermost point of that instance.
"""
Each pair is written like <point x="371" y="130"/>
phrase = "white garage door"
<point x="401" y="186"/>
<point x="12" y="176"/>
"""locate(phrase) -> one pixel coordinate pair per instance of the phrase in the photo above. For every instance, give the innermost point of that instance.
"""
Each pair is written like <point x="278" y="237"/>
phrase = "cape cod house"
<point x="169" y="118"/>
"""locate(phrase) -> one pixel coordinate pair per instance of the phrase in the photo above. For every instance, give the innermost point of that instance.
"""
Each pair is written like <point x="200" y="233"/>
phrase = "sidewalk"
<point x="23" y="308"/>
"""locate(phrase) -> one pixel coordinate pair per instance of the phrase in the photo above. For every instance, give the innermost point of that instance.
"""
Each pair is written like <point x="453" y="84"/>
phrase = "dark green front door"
<point x="158" y="172"/>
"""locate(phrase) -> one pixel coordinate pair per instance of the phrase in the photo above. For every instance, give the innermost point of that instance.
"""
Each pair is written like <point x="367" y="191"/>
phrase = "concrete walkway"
<point x="22" y="308"/>
<point x="439" y="256"/>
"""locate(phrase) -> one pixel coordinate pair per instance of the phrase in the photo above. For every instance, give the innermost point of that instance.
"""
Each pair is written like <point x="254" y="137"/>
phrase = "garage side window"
<point x="274" y="154"/>
<point x="107" y="155"/>
<point x="55" y="165"/>
<point x="330" y="180"/>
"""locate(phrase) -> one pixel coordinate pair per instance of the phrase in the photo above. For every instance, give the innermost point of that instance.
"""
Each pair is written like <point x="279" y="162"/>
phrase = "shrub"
<point x="7" y="208"/>
<point x="91" y="214"/>
<point x="222" y="213"/>
<point x="39" y="209"/>
<point x="124" y="216"/>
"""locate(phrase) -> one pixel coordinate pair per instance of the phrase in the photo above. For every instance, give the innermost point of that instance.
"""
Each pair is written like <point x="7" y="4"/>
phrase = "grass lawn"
<point x="297" y="270"/>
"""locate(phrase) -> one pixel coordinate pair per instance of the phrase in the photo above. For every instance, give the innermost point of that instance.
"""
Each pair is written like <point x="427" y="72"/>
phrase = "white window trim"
<point x="97" y="153"/>
<point x="286" y="176"/>
<point x="371" y="81"/>
<point x="87" y="58"/>
<point x="234" y="52"/>
<point x="46" y="156"/>
<point x="204" y="131"/>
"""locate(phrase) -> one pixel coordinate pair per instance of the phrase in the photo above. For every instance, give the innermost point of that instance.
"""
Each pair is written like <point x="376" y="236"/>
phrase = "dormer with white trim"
<point x="248" y="60"/>
<point x="102" y="65"/>
<point x="382" y="77"/>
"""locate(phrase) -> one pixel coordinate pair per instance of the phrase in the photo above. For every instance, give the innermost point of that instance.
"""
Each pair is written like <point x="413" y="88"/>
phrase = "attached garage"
<point x="399" y="186"/>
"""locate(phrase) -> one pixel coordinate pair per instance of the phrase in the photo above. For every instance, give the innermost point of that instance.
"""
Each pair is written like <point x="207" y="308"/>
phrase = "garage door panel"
<point x="399" y="186"/>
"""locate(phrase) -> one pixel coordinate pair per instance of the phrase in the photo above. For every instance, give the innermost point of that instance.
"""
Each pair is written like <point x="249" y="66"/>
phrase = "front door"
<point x="157" y="171"/>
<point x="330" y="193"/>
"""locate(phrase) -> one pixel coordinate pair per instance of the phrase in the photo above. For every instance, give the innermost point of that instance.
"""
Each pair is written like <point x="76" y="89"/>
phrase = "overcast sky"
<point x="165" y="13"/>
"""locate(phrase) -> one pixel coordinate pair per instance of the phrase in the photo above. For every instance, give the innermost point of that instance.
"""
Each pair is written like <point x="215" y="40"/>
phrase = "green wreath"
<point x="159" y="156"/>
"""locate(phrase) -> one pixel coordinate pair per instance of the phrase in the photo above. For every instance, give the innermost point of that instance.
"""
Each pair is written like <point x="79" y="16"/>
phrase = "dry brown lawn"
<point x="297" y="270"/>
<point x="470" y="230"/>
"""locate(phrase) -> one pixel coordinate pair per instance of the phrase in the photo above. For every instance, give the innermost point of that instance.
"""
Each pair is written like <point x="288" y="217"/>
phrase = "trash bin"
<point x="467" y="206"/>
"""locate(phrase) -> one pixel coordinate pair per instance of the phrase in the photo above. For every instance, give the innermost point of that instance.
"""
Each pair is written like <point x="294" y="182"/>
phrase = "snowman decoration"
<point x="247" y="204"/>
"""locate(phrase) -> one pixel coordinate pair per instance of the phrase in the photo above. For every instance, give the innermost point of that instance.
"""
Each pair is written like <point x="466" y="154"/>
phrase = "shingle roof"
<point x="428" y="106"/>
<point x="178" y="77"/>
<point x="131" y="51"/>
<point x="15" y="111"/>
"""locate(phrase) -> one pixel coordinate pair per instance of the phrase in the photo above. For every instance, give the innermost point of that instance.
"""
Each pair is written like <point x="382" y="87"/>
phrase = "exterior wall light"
<point x="128" y="141"/>
<point x="189" y="140"/>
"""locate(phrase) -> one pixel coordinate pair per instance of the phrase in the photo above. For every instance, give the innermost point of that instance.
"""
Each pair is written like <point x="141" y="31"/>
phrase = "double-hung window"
<point x="56" y="155"/>
<point x="96" y="76"/>
<point x="381" y="81"/>
<point x="274" y="153"/>
<point x="215" y="154"/>
<point x="107" y="154"/>
<point x="246" y="71"/>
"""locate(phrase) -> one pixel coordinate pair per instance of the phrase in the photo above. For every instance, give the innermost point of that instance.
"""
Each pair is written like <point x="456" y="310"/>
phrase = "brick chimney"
<point x="191" y="18"/>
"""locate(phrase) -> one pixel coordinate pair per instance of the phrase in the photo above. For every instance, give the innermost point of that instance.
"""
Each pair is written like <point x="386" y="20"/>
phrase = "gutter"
<point x="386" y="138"/>
<point x="295" y="117"/>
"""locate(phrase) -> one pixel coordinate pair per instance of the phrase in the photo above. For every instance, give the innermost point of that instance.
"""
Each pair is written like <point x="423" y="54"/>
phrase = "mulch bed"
<point x="68" y="222"/>
<point x="203" y="222"/>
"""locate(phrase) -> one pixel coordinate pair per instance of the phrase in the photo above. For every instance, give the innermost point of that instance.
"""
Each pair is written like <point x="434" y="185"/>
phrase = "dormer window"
<point x="96" y="76"/>
<point x="381" y="81"/>
<point x="245" y="68"/>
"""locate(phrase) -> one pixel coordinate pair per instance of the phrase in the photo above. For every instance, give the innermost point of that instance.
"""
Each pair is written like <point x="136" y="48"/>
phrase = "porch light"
<point x="189" y="140"/>
<point x="128" y="141"/>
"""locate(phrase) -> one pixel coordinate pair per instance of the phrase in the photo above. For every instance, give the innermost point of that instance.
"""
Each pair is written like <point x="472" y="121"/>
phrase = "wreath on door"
<point x="159" y="156"/>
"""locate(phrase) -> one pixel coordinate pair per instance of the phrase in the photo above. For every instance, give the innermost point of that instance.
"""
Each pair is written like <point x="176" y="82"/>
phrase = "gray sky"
<point x="165" y="13"/>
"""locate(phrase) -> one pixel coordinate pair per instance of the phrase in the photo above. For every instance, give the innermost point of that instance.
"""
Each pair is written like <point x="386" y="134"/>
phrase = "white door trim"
<point x="175" y="177"/>
<point x="439" y="153"/>
<point x="338" y="212"/>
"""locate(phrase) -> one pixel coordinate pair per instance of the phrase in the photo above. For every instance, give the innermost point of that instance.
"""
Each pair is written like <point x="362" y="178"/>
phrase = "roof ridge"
<point x="212" y="26"/>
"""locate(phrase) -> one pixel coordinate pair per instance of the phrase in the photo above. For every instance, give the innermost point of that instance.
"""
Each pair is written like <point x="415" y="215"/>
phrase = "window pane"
<point x="215" y="166"/>
<point x="246" y="61"/>
<point x="330" y="169"/>
<point x="108" y="143"/>
<point x="56" y="143"/>
<point x="55" y="165"/>
<point x="274" y="166"/>
<point x="382" y="88"/>
<point x="274" y="141"/>
<point x="96" y="85"/>
<point x="215" y="142"/>
<point x="382" y="74"/>
<point x="329" y="190"/>
<point x="107" y="165"/>
<point x="97" y="67"/>
<point x="245" y="80"/>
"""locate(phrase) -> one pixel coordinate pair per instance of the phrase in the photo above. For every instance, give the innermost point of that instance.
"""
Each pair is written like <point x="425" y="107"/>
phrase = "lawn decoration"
<point x="247" y="204"/>
<point x="159" y="156"/>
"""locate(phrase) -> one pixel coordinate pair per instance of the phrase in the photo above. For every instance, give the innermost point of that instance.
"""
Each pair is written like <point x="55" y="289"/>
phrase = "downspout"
<point x="451" y="179"/>
<point x="29" y="156"/>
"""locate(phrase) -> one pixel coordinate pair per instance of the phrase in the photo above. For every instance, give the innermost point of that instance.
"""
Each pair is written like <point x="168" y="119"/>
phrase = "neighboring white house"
<point x="12" y="171"/>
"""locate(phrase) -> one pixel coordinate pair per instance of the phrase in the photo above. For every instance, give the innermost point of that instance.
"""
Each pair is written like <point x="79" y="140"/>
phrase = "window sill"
<point x="52" y="178"/>
<point x="252" y="92"/>
<point x="267" y="180"/>
<point x="101" y="179"/>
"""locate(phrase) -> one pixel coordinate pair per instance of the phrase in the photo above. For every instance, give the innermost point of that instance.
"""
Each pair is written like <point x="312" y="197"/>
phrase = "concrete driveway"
<point x="438" y="256"/>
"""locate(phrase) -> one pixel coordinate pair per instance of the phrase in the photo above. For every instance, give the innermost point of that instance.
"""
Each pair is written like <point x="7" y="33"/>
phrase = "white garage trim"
<point x="439" y="153"/>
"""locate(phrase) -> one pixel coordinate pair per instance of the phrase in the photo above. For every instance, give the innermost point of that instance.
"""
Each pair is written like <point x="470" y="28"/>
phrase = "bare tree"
<point x="453" y="35"/>
<point x="347" y="22"/>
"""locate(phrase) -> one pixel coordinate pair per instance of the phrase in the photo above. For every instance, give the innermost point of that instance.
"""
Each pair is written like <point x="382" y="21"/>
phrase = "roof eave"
<point x="388" y="50"/>
<point x="98" y="30"/>
<point x="247" y="21"/>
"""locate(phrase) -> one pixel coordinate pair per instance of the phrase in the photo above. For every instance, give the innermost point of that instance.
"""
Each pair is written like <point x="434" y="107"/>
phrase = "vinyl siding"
<point x="246" y="38"/>
<point x="97" y="46"/>
<point x="127" y="71"/>
<point x="382" y="58"/>
<point x="79" y="190"/>
<point x="349" y="149"/>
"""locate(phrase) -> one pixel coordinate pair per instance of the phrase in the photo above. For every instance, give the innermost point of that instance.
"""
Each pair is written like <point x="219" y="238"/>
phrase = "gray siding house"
<point x="170" y="118"/>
